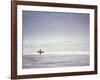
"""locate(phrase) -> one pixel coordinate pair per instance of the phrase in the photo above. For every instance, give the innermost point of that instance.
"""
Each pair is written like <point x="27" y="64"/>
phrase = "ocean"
<point x="54" y="60"/>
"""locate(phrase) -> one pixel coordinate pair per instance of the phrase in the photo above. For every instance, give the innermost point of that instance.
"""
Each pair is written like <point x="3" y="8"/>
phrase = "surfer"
<point x="40" y="51"/>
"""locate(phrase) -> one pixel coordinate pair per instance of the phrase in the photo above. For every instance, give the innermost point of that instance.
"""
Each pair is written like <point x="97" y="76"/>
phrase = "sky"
<point x="55" y="28"/>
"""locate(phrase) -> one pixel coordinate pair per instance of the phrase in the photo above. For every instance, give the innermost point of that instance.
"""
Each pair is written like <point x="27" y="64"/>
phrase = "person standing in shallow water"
<point x="40" y="51"/>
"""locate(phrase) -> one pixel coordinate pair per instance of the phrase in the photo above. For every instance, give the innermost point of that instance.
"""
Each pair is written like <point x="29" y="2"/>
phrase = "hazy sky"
<point x="54" y="26"/>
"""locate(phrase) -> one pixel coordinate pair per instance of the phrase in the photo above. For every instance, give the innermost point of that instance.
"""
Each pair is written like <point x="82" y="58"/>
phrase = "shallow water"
<point x="46" y="61"/>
